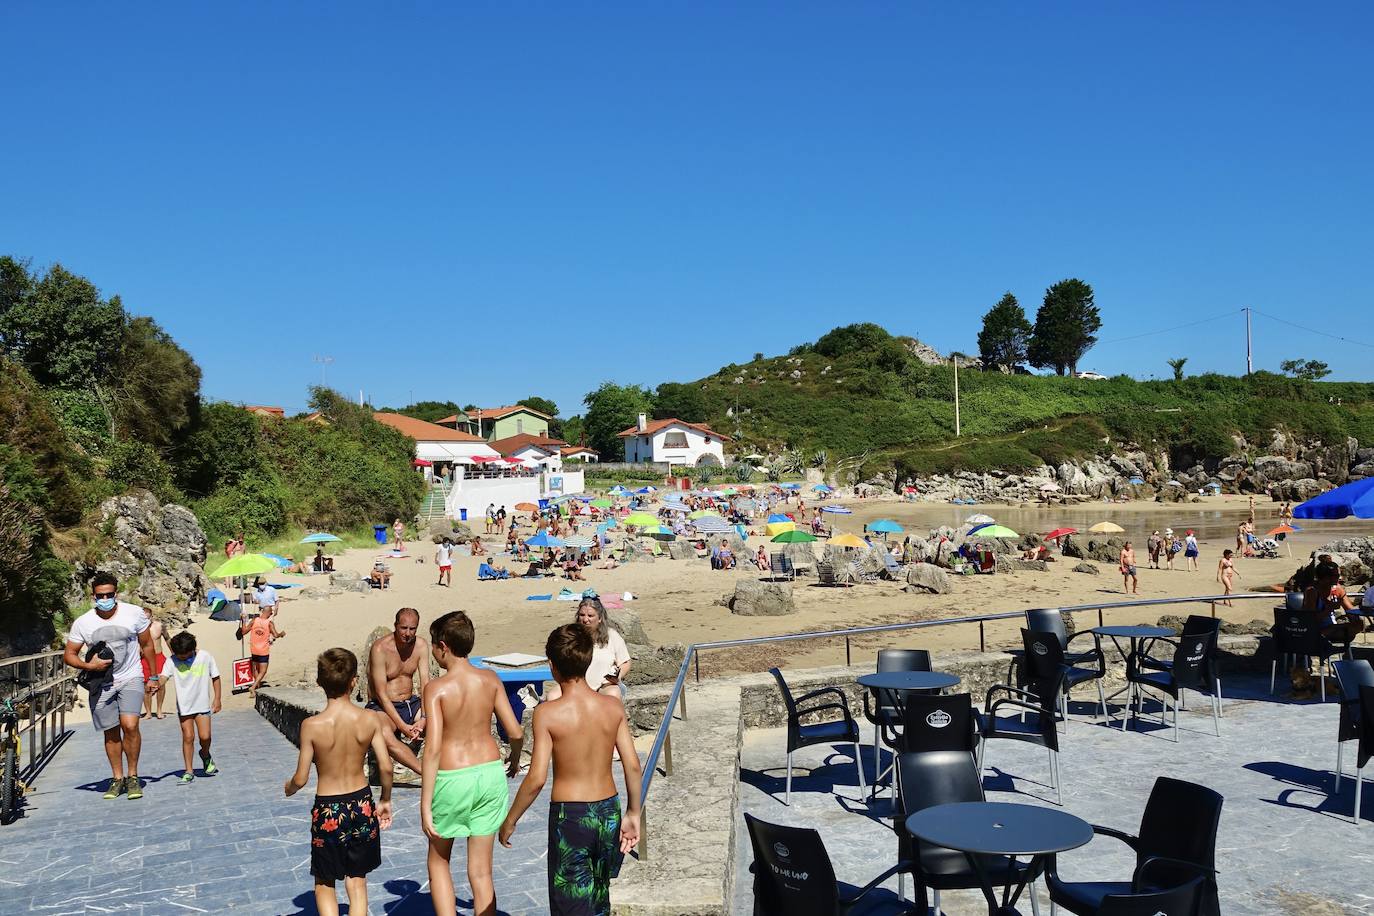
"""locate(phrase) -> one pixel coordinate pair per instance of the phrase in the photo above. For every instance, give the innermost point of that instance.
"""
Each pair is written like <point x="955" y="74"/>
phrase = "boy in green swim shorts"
<point x="464" y="790"/>
<point x="588" y="838"/>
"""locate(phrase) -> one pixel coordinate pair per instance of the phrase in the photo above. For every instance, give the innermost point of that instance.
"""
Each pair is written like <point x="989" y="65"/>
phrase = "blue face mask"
<point x="105" y="604"/>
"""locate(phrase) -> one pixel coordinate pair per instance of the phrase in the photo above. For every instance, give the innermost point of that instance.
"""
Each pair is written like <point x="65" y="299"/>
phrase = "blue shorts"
<point x="408" y="710"/>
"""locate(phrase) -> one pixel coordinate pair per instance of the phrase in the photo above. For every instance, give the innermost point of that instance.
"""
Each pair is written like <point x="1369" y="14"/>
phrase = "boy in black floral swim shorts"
<point x="345" y="825"/>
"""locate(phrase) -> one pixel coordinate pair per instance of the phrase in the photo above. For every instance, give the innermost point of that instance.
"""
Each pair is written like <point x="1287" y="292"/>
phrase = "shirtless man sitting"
<point x="392" y="664"/>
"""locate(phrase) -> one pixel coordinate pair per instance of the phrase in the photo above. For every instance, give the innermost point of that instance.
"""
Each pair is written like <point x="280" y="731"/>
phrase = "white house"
<point x="532" y="449"/>
<point x="442" y="446"/>
<point x="673" y="441"/>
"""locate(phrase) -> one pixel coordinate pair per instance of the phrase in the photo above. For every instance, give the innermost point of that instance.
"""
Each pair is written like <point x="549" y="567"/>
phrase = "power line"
<point x="1179" y="327"/>
<point x="1347" y="340"/>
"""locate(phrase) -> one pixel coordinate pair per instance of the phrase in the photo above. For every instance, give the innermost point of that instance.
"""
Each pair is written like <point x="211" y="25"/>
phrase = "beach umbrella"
<point x="619" y="490"/>
<point x="526" y="507"/>
<point x="676" y="507"/>
<point x="848" y="540"/>
<point x="642" y="520"/>
<point x="580" y="541"/>
<point x="1355" y="499"/>
<point x="712" y="524"/>
<point x="422" y="463"/>
<point x="794" y="536"/>
<point x="745" y="505"/>
<point x="1106" y="528"/>
<point x="996" y="531"/>
<point x="484" y="459"/>
<point x="1059" y="533"/>
<point x="319" y="537"/>
<point x="977" y="528"/>
<point x="979" y="519"/>
<point x="281" y="561"/>
<point x="885" y="526"/>
<point x="755" y="456"/>
<point x="543" y="539"/>
<point x="1173" y="483"/>
<point x="1136" y="481"/>
<point x="660" y="533"/>
<point x="821" y="488"/>
<point x="837" y="510"/>
<point x="1282" y="530"/>
<point x="1211" y="486"/>
<point x="647" y="489"/>
<point x="702" y="513"/>
<point x="602" y="503"/>
<point x="791" y="486"/>
<point x="245" y="564"/>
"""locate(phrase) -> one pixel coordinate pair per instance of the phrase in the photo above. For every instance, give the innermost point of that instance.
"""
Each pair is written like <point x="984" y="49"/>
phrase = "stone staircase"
<point x="434" y="506"/>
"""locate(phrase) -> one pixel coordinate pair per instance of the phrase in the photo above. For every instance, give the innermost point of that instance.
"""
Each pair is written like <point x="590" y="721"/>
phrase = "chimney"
<point x="643" y="423"/>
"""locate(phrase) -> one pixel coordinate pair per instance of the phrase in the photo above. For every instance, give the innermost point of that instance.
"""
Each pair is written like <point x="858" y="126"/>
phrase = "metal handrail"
<point x="48" y="681"/>
<point x="678" y="697"/>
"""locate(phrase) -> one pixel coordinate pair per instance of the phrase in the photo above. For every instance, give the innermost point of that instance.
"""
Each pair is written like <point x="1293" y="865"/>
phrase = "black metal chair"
<point x="943" y="722"/>
<point x="1196" y="624"/>
<point x="1297" y="635"/>
<point x="926" y="779"/>
<point x="1184" y="900"/>
<point x="793" y="875"/>
<point x="1365" y="749"/>
<point x="1036" y="708"/>
<point x="1176" y="845"/>
<point x="1042" y="620"/>
<point x="1351" y="676"/>
<point x="844" y="730"/>
<point x="1044" y="658"/>
<point x="1187" y="670"/>
<point x="885" y="714"/>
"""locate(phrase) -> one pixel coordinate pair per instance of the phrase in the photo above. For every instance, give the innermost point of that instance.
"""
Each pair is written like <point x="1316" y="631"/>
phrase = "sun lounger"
<point x="486" y="573"/>
<point x="780" y="565"/>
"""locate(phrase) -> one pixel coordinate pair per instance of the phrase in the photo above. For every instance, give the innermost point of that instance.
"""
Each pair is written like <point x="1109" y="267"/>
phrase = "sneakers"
<point x="116" y="787"/>
<point x="134" y="787"/>
<point x="187" y="778"/>
<point x="208" y="765"/>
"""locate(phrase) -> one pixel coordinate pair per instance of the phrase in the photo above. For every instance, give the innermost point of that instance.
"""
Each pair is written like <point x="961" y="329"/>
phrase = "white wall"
<point x="696" y="447"/>
<point x="473" y="494"/>
<point x="572" y="482"/>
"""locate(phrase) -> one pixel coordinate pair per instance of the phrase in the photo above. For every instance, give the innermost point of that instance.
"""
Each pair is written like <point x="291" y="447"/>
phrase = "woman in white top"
<point x="610" y="656"/>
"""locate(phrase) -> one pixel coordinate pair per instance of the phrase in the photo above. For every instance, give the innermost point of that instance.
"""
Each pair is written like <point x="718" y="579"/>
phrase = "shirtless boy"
<point x="392" y="664"/>
<point x="464" y="791"/>
<point x="1129" y="575"/>
<point x="588" y="838"/>
<point x="344" y="840"/>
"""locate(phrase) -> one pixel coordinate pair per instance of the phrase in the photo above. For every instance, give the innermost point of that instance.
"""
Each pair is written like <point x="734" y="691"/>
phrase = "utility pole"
<point x="955" y="360"/>
<point x="324" y="362"/>
<point x="1249" y="348"/>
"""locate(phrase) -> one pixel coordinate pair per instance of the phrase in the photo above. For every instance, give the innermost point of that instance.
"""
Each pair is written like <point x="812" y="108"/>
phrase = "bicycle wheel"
<point x="8" y="775"/>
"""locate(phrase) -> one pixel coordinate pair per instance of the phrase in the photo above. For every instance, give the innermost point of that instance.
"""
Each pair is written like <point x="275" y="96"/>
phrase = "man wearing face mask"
<point x="115" y="684"/>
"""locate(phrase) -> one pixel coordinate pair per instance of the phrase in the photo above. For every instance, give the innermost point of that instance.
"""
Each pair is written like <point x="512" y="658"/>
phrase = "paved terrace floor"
<point x="1284" y="847"/>
<point x="225" y="843"/>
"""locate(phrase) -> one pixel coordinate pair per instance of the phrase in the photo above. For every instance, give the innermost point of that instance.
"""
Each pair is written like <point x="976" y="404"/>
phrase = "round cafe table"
<point x="1133" y="635"/>
<point x="889" y="689"/>
<point x="1000" y="829"/>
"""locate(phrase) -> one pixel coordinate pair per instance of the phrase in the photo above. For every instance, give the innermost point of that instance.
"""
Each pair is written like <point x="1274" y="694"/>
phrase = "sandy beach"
<point x="676" y="599"/>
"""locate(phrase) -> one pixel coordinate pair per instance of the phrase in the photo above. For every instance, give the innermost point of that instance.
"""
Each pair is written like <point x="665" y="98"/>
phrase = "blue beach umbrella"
<point x="279" y="560"/>
<point x="319" y="537"/>
<point x="838" y="510"/>
<point x="1356" y="498"/>
<point x="885" y="526"/>
<point x="1212" y="486"/>
<point x="976" y="528"/>
<point x="791" y="486"/>
<point x="821" y="488"/>
<point x="544" y="539"/>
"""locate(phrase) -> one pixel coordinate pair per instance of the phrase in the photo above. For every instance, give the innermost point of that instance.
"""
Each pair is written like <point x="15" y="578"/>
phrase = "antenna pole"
<point x="955" y="360"/>
<point x="1249" y="344"/>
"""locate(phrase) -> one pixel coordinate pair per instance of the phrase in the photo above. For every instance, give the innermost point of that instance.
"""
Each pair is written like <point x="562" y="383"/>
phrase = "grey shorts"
<point x="115" y="700"/>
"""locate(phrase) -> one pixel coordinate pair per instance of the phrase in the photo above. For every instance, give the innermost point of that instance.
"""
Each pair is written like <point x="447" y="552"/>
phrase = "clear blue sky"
<point x="479" y="203"/>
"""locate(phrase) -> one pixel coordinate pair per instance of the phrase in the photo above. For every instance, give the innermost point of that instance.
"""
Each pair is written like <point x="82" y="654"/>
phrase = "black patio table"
<point x="1133" y="635"/>
<point x="1001" y="829"/>
<point x="899" y="681"/>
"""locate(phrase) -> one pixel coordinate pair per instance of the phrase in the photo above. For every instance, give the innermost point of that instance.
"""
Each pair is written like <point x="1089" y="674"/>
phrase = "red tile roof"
<point x="422" y="431"/>
<point x="512" y="444"/>
<point x="496" y="413"/>
<point x="580" y="449"/>
<point x="654" y="426"/>
<point x="265" y="411"/>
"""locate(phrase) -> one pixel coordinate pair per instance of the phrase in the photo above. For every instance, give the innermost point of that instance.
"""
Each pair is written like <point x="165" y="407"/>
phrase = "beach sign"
<point x="243" y="675"/>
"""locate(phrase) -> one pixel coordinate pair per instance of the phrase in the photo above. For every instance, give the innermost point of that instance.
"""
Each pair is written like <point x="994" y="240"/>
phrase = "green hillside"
<point x="859" y="391"/>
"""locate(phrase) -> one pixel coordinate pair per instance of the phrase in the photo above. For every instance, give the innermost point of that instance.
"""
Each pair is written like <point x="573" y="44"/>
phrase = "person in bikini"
<point x="588" y="837"/>
<point x="345" y="843"/>
<point x="393" y="662"/>
<point x="464" y="791"/>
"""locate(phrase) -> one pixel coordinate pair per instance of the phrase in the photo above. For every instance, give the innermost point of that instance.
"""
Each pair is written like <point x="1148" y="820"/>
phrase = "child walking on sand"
<point x="197" y="677"/>
<point x="588" y="838"/>
<point x="464" y="791"/>
<point x="345" y="844"/>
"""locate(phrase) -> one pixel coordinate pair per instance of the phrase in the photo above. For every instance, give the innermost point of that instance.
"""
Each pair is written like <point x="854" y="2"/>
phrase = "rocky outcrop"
<point x="928" y="577"/>
<point x="1088" y="569"/>
<point x="1106" y="551"/>
<point x="457" y="532"/>
<point x="755" y="598"/>
<point x="156" y="550"/>
<point x="1355" y="556"/>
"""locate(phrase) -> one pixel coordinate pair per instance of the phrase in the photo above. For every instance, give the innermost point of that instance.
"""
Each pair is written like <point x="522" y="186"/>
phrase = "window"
<point x="519" y="426"/>
<point x="675" y="440"/>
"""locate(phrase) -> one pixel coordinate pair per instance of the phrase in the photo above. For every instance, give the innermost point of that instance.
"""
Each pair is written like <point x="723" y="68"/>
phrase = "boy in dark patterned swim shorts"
<point x="588" y="838"/>
<point x="345" y="825"/>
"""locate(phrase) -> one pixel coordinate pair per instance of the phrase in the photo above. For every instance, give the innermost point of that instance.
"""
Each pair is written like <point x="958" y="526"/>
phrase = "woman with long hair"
<point x="610" y="656"/>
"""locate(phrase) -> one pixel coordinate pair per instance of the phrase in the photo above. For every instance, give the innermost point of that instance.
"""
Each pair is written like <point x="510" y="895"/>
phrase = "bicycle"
<point x="10" y="785"/>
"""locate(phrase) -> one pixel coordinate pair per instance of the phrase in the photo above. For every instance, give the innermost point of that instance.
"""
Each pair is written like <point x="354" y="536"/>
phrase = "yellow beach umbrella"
<point x="848" y="540"/>
<point x="776" y="528"/>
<point x="1107" y="528"/>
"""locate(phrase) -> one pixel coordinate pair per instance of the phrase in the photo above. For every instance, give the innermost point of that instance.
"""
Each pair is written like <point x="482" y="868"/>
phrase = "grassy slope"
<point x="904" y="414"/>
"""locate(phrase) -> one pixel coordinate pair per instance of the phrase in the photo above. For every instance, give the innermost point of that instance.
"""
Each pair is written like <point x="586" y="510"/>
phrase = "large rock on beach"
<point x="1089" y="569"/>
<point x="681" y="550"/>
<point x="156" y="550"/>
<point x="755" y="598"/>
<point x="929" y="578"/>
<point x="628" y="625"/>
<point x="654" y="664"/>
<point x="1105" y="551"/>
<point x="1299" y="490"/>
<point x="1072" y="548"/>
<point x="441" y="528"/>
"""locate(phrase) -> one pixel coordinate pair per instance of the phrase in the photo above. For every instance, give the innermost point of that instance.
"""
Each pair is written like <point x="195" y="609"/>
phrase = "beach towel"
<point x="567" y="595"/>
<point x="614" y="603"/>
<point x="539" y="598"/>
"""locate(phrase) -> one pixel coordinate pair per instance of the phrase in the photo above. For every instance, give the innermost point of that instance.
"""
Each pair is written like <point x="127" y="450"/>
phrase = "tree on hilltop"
<point x="1005" y="337"/>
<point x="684" y="401"/>
<point x="1177" y="366"/>
<point x="543" y="405"/>
<point x="1309" y="369"/>
<point x="1065" y="327"/>
<point x="612" y="408"/>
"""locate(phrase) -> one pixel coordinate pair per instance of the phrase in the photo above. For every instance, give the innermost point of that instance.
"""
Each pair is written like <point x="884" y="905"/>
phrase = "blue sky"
<point x="483" y="202"/>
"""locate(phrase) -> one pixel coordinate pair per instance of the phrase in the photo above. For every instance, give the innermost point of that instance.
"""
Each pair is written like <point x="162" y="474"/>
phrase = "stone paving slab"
<point x="226" y="843"/>
<point x="1285" y="846"/>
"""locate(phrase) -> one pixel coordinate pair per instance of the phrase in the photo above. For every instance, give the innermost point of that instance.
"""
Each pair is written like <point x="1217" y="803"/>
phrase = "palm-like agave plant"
<point x="819" y="458"/>
<point x="706" y="473"/>
<point x="743" y="471"/>
<point x="775" y="471"/>
<point x="791" y="461"/>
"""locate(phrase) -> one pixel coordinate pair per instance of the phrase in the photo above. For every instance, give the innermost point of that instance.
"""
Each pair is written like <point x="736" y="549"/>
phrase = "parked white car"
<point x="1091" y="376"/>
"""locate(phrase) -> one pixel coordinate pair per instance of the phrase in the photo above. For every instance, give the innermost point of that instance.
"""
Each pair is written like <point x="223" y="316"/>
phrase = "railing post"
<point x="682" y="702"/>
<point x="643" y="832"/>
<point x="982" y="638"/>
<point x="1214" y="607"/>
<point x="668" y="754"/>
<point x="847" y="662"/>
<point x="696" y="658"/>
<point x="1099" y="618"/>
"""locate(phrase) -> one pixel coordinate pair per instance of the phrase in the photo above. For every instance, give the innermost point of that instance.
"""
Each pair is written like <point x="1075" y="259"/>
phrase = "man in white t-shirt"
<point x="443" y="558"/>
<point x="118" y="633"/>
<point x="263" y="594"/>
